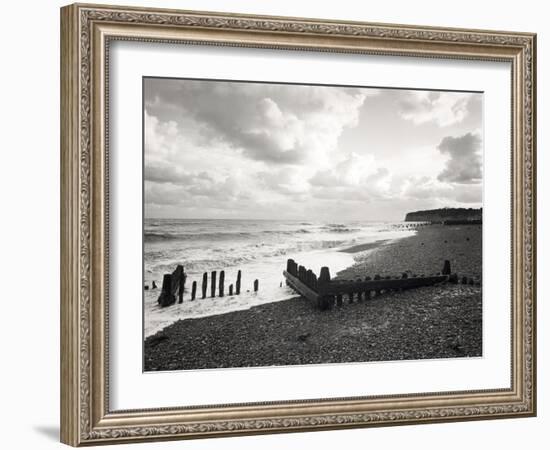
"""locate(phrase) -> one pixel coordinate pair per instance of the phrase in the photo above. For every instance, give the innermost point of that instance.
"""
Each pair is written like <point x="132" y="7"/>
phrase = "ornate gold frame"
<point x="86" y="31"/>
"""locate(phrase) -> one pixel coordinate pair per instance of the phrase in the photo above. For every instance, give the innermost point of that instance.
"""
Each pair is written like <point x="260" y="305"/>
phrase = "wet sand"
<point x="362" y="247"/>
<point x="442" y="321"/>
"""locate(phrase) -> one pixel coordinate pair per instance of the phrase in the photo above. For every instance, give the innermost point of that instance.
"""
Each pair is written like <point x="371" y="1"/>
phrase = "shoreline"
<point x="441" y="321"/>
<point x="423" y="253"/>
<point x="367" y="246"/>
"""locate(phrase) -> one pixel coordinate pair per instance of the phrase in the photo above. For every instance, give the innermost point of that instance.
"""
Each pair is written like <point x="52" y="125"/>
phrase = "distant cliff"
<point x="446" y="215"/>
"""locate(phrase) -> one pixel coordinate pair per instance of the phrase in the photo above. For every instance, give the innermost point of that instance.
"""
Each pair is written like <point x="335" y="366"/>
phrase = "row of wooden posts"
<point x="174" y="284"/>
<point x="413" y="225"/>
<point x="324" y="292"/>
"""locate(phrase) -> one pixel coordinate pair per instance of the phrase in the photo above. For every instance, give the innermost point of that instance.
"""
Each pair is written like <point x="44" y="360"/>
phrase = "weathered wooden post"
<point x="324" y="301"/>
<point x="446" y="267"/>
<point x="256" y="284"/>
<point x="309" y="278"/>
<point x="377" y="291"/>
<point x="302" y="274"/>
<point x="181" y="286"/>
<point x="180" y="290"/>
<point x="230" y="289"/>
<point x="213" y="284"/>
<point x="167" y="297"/>
<point x="359" y="293"/>
<point x="238" y="284"/>
<point x="324" y="276"/>
<point x="204" y="284"/>
<point x="290" y="266"/>
<point x="367" y="292"/>
<point x="387" y="277"/>
<point x="193" y="290"/>
<point x="222" y="281"/>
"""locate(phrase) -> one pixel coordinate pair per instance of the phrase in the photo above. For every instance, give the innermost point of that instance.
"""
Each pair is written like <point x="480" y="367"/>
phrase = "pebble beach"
<point x="441" y="321"/>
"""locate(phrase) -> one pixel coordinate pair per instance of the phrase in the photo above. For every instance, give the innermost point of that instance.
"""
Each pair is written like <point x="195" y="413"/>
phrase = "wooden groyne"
<point x="324" y="292"/>
<point x="173" y="284"/>
<point x="321" y="290"/>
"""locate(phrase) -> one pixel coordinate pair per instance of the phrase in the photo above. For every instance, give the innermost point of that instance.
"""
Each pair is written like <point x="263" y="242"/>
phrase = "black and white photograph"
<point x="297" y="224"/>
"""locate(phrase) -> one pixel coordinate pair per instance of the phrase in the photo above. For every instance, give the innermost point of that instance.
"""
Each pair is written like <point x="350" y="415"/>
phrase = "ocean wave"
<point x="154" y="236"/>
<point x="214" y="259"/>
<point x="340" y="228"/>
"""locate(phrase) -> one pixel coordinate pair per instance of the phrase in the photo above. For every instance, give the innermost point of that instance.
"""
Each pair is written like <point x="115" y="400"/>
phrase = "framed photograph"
<point x="275" y="224"/>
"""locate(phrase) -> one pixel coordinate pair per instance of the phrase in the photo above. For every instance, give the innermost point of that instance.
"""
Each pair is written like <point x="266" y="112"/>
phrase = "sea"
<point x="259" y="248"/>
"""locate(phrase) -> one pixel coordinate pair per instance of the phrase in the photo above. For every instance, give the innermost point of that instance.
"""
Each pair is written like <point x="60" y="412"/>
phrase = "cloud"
<point x="441" y="108"/>
<point x="469" y="193"/>
<point x="440" y="193"/>
<point x="425" y="188"/>
<point x="276" y="124"/>
<point x="284" y="181"/>
<point x="247" y="150"/>
<point x="460" y="180"/>
<point x="351" y="171"/>
<point x="172" y="141"/>
<point x="168" y="185"/>
<point x="464" y="163"/>
<point x="355" y="177"/>
<point x="166" y="174"/>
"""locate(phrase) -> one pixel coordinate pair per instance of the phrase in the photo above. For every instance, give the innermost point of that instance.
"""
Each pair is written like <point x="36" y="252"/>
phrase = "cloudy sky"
<point x="218" y="149"/>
